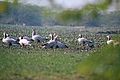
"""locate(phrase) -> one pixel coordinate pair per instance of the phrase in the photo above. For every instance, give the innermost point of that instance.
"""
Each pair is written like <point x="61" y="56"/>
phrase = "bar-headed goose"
<point x="36" y="37"/>
<point x="111" y="41"/>
<point x="82" y="40"/>
<point x="24" y="42"/>
<point x="54" y="43"/>
<point x="85" y="43"/>
<point x="9" y="40"/>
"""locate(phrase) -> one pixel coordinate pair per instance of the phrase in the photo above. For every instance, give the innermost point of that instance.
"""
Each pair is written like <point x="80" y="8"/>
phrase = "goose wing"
<point x="35" y="37"/>
<point x="50" y="44"/>
<point x="24" y="41"/>
<point x="82" y="40"/>
<point x="27" y="38"/>
<point x="61" y="45"/>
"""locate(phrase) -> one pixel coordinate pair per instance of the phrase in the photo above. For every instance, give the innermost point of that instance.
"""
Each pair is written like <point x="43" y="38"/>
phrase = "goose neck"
<point x="4" y="35"/>
<point x="109" y="38"/>
<point x="51" y="37"/>
<point x="33" y="33"/>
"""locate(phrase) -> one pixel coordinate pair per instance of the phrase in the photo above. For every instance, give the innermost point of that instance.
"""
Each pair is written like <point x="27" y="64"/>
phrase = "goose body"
<point x="36" y="37"/>
<point x="54" y="43"/>
<point x="85" y="43"/>
<point x="61" y="45"/>
<point x="24" y="42"/>
<point x="27" y="38"/>
<point x="9" y="40"/>
<point x="90" y="43"/>
<point x="82" y="40"/>
<point x="110" y="41"/>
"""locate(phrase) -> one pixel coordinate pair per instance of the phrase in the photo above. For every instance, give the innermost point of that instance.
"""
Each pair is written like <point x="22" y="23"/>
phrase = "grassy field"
<point x="47" y="64"/>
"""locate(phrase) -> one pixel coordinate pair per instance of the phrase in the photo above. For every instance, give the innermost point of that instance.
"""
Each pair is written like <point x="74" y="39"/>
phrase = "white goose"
<point x="24" y="42"/>
<point x="85" y="43"/>
<point x="54" y="43"/>
<point x="82" y="40"/>
<point x="60" y="44"/>
<point x="36" y="37"/>
<point x="51" y="42"/>
<point x="110" y="41"/>
<point x="9" y="40"/>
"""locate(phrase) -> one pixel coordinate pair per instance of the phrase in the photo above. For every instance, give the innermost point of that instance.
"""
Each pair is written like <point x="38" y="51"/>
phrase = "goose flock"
<point x="24" y="41"/>
<point x="53" y="42"/>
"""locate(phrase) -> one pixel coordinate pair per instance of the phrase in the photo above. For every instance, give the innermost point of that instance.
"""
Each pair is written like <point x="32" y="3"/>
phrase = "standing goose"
<point x="9" y="40"/>
<point x="36" y="37"/>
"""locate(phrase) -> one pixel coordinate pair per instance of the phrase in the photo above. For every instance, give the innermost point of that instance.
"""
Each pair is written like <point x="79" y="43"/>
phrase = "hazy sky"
<point x="63" y="3"/>
<point x="69" y="3"/>
<point x="37" y="2"/>
<point x="74" y="3"/>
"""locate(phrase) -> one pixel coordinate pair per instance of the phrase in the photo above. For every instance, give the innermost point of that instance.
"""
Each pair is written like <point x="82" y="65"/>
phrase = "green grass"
<point x="102" y="65"/>
<point x="57" y="64"/>
<point x="34" y="63"/>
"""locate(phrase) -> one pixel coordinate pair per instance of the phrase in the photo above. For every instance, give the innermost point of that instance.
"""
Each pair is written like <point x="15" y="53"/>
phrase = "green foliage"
<point x="104" y="5"/>
<point x="3" y="7"/>
<point x="92" y="10"/>
<point x="19" y="14"/>
<point x="102" y="65"/>
<point x="16" y="13"/>
<point x="69" y="16"/>
<point x="28" y="14"/>
<point x="49" y="16"/>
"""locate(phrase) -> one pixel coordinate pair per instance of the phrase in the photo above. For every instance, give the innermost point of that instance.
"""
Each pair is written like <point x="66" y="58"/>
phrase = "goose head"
<point x="108" y="37"/>
<point x="7" y="35"/>
<point x="21" y="37"/>
<point x="80" y="35"/>
<point x="33" y="32"/>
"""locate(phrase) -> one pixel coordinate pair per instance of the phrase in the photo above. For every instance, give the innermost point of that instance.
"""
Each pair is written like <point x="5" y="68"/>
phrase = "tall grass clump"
<point x="102" y="65"/>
